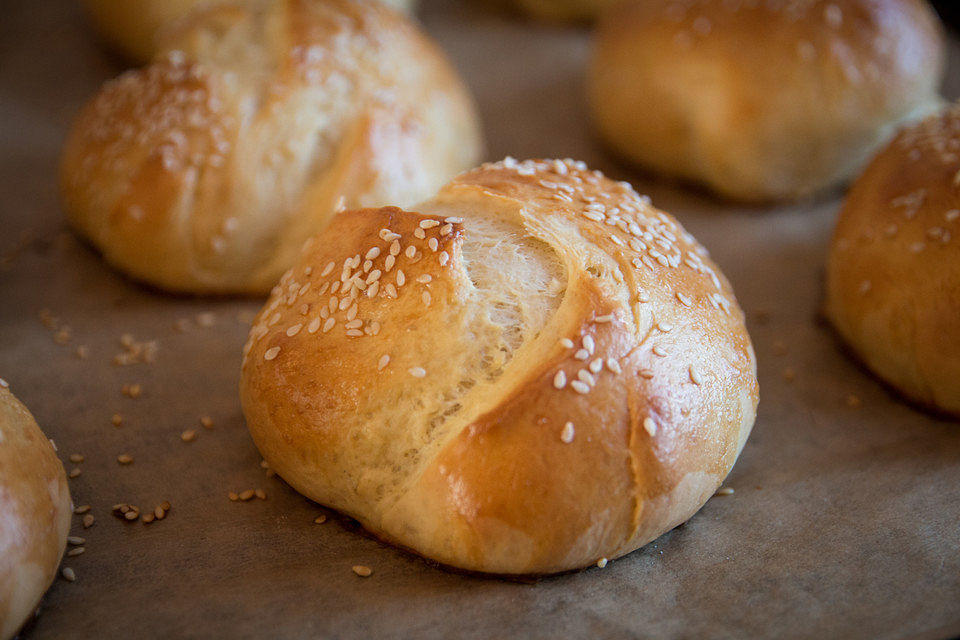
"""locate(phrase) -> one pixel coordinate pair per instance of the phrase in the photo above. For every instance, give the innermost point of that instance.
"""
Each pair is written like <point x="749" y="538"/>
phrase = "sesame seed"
<point x="411" y="251"/>
<point x="362" y="571"/>
<point x="425" y="296"/>
<point x="665" y="327"/>
<point x="76" y="458"/>
<point x="684" y="300"/>
<point x="233" y="496"/>
<point x="88" y="521"/>
<point x="566" y="435"/>
<point x="660" y="351"/>
<point x="596" y="365"/>
<point x="417" y="372"/>
<point x="352" y="313"/>
<point x="353" y="324"/>
<point x="388" y="263"/>
<point x="606" y="318"/>
<point x="560" y="380"/>
<point x="395" y="248"/>
<point x="116" y="419"/>
<point x="327" y="269"/>
<point x="313" y="326"/>
<point x="294" y="330"/>
<point x="354" y="333"/>
<point x="433" y="244"/>
<point x="580" y="387"/>
<point x="566" y="342"/>
<point x="646" y="373"/>
<point x="76" y="540"/>
<point x="588" y="344"/>
<point x="695" y="376"/>
<point x="271" y="353"/>
<point x="125" y="459"/>
<point x="614" y="366"/>
<point x="373" y="289"/>
<point x="391" y="290"/>
<point x="261" y="494"/>
<point x="68" y="574"/>
<point x="424" y="279"/>
<point x="320" y="519"/>
<point x="383" y="362"/>
<point x="725" y="491"/>
<point x="247" y="495"/>
<point x="453" y="220"/>
<point x="82" y="509"/>
<point x="189" y="435"/>
<point x="601" y="563"/>
<point x="74" y="473"/>
<point x="587" y="377"/>
<point x="344" y="303"/>
<point x="387" y="235"/>
<point x="418" y="233"/>
<point x="443" y="258"/>
<point x="373" y="253"/>
<point x="650" y="426"/>
<point x="429" y="224"/>
<point x="446" y="230"/>
<point x="401" y="278"/>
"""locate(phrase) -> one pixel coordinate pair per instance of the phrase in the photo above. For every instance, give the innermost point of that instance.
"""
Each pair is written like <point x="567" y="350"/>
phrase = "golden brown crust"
<point x="36" y="508"/>
<point x="134" y="27"/>
<point x="761" y="100"/>
<point x="658" y="377"/>
<point x="206" y="170"/>
<point x="893" y="275"/>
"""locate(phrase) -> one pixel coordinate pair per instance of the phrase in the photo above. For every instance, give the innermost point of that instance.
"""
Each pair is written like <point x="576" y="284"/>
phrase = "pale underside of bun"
<point x="207" y="170"/>
<point x="135" y="27"/>
<point x="762" y="100"/>
<point x="565" y="10"/>
<point x="532" y="371"/>
<point x="36" y="508"/>
<point x="893" y="275"/>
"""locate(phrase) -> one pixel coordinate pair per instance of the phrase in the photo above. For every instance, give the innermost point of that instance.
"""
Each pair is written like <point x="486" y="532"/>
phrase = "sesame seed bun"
<point x="532" y="371"/>
<point x="134" y="27"/>
<point x="205" y="171"/>
<point x="36" y="508"/>
<point x="761" y="100"/>
<point x="893" y="274"/>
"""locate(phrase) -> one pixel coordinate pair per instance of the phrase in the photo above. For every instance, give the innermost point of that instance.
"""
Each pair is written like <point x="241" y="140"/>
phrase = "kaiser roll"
<point x="531" y="372"/>
<point x="36" y="508"/>
<point x="893" y="273"/>
<point x="208" y="169"/>
<point x="761" y="100"/>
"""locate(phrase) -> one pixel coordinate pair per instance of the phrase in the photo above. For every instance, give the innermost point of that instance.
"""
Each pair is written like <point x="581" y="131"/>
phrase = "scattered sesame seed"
<point x="854" y="402"/>
<point x="646" y="373"/>
<point x="601" y="563"/>
<point x="419" y="233"/>
<point x="566" y="435"/>
<point x="725" y="491"/>
<point x="76" y="541"/>
<point x="76" y="458"/>
<point x="88" y="521"/>
<point x="453" y="220"/>
<point x="260" y="493"/>
<point x="248" y="494"/>
<point x="271" y="353"/>
<point x="233" y="496"/>
<point x="429" y="224"/>
<point x="189" y="435"/>
<point x="443" y="258"/>
<point x="116" y="420"/>
<point x="4" y="384"/>
<point x="695" y="376"/>
<point x="567" y="342"/>
<point x="68" y="574"/>
<point x="320" y="519"/>
<point x="650" y="426"/>
<point x="660" y="351"/>
<point x="383" y="362"/>
<point x="362" y="571"/>
<point x="417" y="372"/>
<point x="606" y="318"/>
<point x="125" y="458"/>
<point x="82" y="509"/>
<point x="74" y="473"/>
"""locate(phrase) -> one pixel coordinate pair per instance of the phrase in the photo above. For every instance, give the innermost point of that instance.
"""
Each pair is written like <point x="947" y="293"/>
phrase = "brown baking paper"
<point x="846" y="517"/>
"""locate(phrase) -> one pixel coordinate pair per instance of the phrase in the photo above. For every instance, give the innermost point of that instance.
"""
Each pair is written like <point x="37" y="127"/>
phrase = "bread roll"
<point x="893" y="275"/>
<point x="530" y="372"/>
<point x="36" y="508"/>
<point x="761" y="100"/>
<point x="132" y="26"/>
<point x="207" y="170"/>
<point x="564" y="10"/>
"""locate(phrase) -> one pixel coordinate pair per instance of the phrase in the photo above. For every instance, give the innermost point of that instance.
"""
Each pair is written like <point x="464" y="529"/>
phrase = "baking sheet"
<point x="845" y="521"/>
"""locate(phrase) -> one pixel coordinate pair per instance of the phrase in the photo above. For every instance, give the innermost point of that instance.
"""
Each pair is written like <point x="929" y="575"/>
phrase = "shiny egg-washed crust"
<point x="762" y="100"/>
<point x="893" y="273"/>
<point x="495" y="488"/>
<point x="206" y="171"/>
<point x="564" y="10"/>
<point x="133" y="27"/>
<point x="36" y="509"/>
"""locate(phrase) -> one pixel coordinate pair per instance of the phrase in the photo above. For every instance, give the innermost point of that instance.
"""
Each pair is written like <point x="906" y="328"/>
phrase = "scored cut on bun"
<point x="760" y="100"/>
<point x="532" y="371"/>
<point x="893" y="272"/>
<point x="564" y="10"/>
<point x="207" y="170"/>
<point x="36" y="508"/>
<point x="133" y="27"/>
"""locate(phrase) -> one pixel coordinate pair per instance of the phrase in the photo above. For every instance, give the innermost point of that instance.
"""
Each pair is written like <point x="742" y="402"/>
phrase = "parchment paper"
<point x="845" y="521"/>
